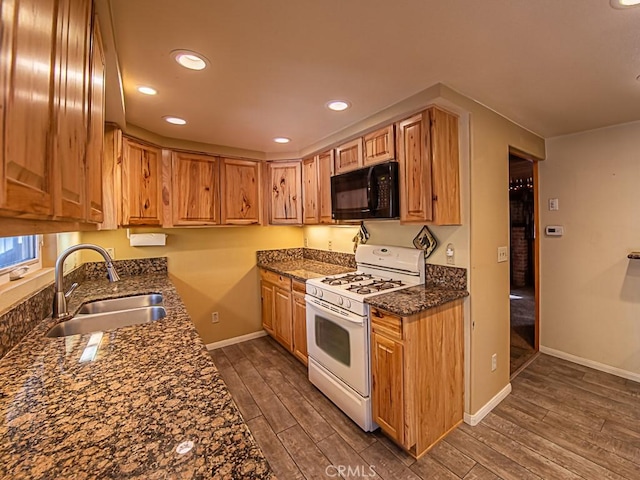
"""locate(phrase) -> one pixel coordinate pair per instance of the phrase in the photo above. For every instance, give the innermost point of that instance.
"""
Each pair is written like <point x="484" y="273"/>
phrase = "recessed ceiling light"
<point x="175" y="120"/>
<point x="624" y="3"/>
<point x="147" y="90"/>
<point x="190" y="60"/>
<point x="282" y="140"/>
<point x="339" y="105"/>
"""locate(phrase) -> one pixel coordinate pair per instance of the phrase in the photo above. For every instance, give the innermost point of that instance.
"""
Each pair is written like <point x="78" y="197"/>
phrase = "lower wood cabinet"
<point x="284" y="312"/>
<point x="417" y="371"/>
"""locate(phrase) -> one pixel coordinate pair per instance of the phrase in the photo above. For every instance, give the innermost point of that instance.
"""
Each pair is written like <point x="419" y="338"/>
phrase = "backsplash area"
<point x="22" y="317"/>
<point x="290" y="254"/>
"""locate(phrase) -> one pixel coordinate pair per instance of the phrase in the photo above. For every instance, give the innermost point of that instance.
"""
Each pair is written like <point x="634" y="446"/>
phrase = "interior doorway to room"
<point x="523" y="296"/>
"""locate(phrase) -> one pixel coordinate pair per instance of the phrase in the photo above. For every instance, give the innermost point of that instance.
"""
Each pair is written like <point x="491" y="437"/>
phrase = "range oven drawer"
<point x="386" y="324"/>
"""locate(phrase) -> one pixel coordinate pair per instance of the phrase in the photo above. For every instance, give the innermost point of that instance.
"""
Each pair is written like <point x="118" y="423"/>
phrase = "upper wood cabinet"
<point x="325" y="169"/>
<point x="141" y="184"/>
<point x="349" y="156"/>
<point x="27" y="63"/>
<point x="195" y="187"/>
<point x="316" y="188"/>
<point x="379" y="146"/>
<point x="429" y="168"/>
<point x="95" y="148"/>
<point x="285" y="187"/>
<point x="240" y="192"/>
<point x="71" y="95"/>
<point x="310" y="191"/>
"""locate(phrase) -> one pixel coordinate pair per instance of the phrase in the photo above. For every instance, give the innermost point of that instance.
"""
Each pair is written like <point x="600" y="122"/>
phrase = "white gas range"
<point x="338" y="324"/>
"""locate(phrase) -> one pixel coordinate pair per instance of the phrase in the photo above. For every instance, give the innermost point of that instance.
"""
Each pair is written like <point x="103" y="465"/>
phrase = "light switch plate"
<point x="503" y="254"/>
<point x="553" y="204"/>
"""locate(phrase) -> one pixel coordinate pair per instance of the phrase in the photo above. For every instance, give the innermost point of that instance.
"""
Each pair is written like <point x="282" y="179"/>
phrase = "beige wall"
<point x="590" y="290"/>
<point x="214" y="269"/>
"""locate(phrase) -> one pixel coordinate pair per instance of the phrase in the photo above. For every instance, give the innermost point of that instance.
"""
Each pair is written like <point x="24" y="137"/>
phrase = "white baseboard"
<point x="234" y="340"/>
<point x="477" y="417"/>
<point x="592" y="364"/>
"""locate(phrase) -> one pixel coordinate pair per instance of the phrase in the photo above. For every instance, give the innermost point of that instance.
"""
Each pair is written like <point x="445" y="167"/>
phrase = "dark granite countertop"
<point x="304" y="269"/>
<point x="149" y="388"/>
<point x="412" y="300"/>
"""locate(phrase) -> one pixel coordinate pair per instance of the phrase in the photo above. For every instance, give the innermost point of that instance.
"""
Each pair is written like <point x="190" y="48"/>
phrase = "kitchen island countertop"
<point x="123" y="414"/>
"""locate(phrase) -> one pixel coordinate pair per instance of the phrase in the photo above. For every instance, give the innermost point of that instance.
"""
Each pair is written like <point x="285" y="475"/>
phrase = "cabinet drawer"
<point x="279" y="280"/>
<point x="386" y="324"/>
<point x="298" y="286"/>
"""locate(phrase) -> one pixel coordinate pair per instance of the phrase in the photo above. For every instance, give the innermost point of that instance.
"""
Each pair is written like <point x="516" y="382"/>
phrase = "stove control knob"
<point x="348" y="303"/>
<point x="340" y="300"/>
<point x="312" y="290"/>
<point x="320" y="293"/>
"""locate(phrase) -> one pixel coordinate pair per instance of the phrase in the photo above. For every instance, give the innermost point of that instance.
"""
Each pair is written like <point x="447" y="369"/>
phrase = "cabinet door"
<point x="310" y="190"/>
<point x="387" y="390"/>
<point x="379" y="146"/>
<point x="325" y="170"/>
<point x="283" y="322"/>
<point x="71" y="90"/>
<point x="445" y="166"/>
<point x="28" y="37"/>
<point x="300" y="327"/>
<point x="415" y="170"/>
<point x="95" y="149"/>
<point x="240" y="191"/>
<point x="195" y="187"/>
<point x="267" y="307"/>
<point x="285" y="185"/>
<point x="141" y="184"/>
<point x="349" y="156"/>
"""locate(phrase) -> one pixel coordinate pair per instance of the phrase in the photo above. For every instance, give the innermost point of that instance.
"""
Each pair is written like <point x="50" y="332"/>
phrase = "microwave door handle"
<point x="370" y="192"/>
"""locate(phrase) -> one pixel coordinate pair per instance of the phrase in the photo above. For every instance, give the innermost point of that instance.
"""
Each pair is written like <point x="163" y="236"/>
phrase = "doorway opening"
<point x="523" y="215"/>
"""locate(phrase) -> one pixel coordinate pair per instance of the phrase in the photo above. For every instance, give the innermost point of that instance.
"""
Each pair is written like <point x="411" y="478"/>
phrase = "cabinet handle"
<point x="435" y="198"/>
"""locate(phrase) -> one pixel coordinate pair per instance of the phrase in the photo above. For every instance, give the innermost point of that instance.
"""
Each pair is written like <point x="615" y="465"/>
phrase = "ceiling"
<point x="553" y="66"/>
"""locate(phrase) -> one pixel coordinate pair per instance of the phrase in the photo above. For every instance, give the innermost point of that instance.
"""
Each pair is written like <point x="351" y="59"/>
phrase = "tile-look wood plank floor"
<point x="562" y="421"/>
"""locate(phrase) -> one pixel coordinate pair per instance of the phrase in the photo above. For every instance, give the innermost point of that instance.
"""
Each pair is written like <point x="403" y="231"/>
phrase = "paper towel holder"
<point x="147" y="239"/>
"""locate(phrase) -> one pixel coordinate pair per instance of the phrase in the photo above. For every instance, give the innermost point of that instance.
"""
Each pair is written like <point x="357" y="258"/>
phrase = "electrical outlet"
<point x="330" y="245"/>
<point x="494" y="362"/>
<point x="214" y="317"/>
<point x="450" y="254"/>
<point x="306" y="242"/>
<point x="112" y="252"/>
<point x="503" y="254"/>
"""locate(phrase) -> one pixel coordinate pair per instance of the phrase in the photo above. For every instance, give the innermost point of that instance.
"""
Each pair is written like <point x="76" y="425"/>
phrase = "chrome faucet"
<point x="59" y="296"/>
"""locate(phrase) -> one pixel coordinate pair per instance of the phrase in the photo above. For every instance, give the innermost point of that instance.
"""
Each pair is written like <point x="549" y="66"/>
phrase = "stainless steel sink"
<point x="107" y="321"/>
<point x="124" y="303"/>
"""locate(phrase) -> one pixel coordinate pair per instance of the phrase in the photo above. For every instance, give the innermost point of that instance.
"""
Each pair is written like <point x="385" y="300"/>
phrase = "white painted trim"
<point x="592" y="364"/>
<point x="477" y="417"/>
<point x="234" y="340"/>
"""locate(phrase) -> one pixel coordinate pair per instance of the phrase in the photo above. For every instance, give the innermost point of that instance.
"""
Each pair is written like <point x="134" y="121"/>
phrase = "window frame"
<point x="27" y="263"/>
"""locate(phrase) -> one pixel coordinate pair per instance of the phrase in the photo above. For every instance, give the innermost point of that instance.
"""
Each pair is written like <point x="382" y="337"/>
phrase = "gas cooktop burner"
<point x="375" y="286"/>
<point x="348" y="278"/>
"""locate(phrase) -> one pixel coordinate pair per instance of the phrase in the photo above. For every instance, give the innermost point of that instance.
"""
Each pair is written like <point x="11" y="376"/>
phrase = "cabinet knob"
<point x="435" y="198"/>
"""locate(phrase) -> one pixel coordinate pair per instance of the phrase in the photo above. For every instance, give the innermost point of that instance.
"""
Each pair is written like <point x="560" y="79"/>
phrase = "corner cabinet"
<point x="428" y="154"/>
<point x="285" y="193"/>
<point x="195" y="187"/>
<point x="284" y="312"/>
<point x="240" y="192"/>
<point x="416" y="407"/>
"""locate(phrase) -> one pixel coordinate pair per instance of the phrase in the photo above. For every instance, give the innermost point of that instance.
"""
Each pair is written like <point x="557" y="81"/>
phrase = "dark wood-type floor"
<point x="522" y="332"/>
<point x="562" y="421"/>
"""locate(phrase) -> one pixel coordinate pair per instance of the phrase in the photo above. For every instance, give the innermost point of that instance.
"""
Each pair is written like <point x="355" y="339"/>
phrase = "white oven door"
<point x="339" y="341"/>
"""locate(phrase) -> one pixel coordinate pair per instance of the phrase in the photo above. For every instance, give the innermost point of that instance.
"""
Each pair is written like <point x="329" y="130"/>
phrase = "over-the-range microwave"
<point x="366" y="193"/>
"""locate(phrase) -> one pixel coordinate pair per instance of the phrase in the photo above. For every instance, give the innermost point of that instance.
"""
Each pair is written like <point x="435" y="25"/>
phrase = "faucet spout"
<point x="59" y="298"/>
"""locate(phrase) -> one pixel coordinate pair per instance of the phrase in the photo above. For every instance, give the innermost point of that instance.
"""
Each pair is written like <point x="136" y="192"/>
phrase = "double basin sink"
<point x="111" y="314"/>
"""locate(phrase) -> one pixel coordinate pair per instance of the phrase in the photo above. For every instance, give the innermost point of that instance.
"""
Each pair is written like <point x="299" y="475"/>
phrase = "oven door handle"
<point x="345" y="315"/>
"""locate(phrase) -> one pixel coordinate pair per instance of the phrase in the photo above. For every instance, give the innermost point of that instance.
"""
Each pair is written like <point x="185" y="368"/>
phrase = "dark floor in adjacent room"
<point x="561" y="421"/>
<point x="522" y="332"/>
